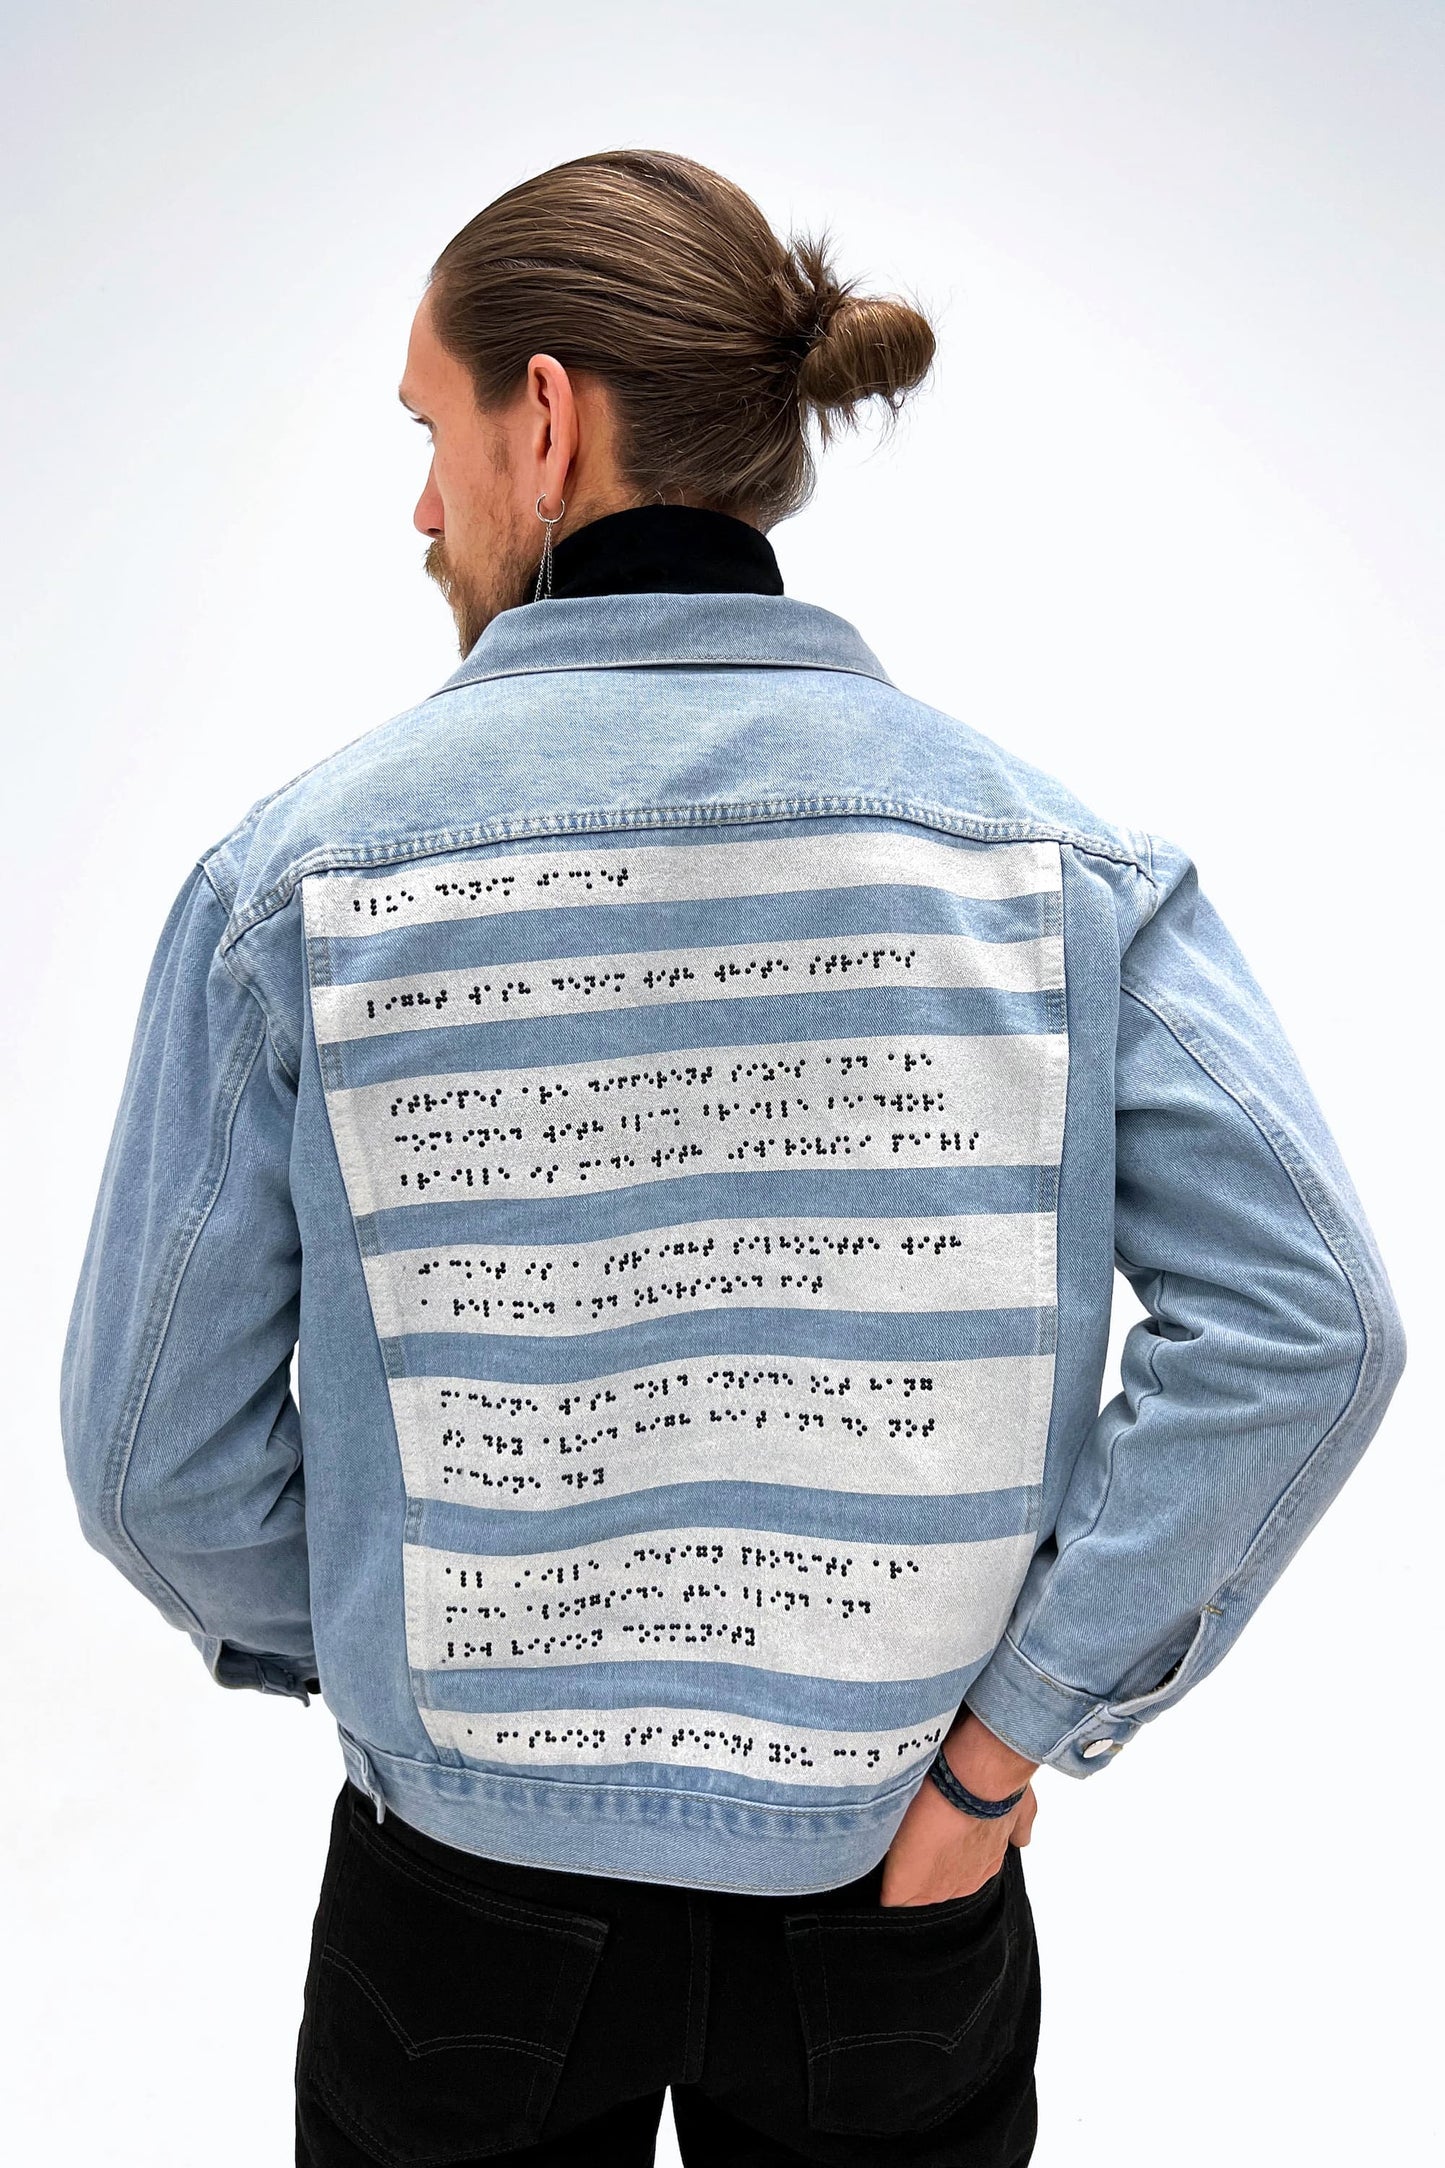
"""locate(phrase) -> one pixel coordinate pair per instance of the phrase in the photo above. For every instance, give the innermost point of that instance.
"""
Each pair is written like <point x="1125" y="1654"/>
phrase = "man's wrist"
<point x="983" y="1762"/>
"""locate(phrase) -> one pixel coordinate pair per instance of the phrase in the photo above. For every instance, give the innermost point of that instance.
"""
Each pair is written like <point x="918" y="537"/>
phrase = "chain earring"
<point x="543" y="589"/>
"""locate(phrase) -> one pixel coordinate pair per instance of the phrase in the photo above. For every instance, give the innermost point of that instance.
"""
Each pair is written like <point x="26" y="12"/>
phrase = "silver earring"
<point x="543" y="589"/>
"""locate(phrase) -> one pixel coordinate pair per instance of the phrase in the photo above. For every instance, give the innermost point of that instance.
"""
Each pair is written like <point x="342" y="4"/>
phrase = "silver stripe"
<point x="654" y="978"/>
<point x="496" y="881"/>
<point x="687" y="1739"/>
<point x="967" y="1261"/>
<point x="827" y="1609"/>
<point x="594" y="1126"/>
<point x="885" y="1429"/>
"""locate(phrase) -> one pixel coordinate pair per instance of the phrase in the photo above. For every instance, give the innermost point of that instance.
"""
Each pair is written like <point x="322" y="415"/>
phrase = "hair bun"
<point x="720" y="342"/>
<point x="855" y="347"/>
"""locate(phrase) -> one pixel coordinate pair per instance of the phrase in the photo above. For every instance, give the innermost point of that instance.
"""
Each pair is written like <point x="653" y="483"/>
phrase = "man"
<point x="686" y="1101"/>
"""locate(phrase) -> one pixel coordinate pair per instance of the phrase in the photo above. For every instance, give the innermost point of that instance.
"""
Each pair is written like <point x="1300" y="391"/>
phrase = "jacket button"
<point x="1101" y="1746"/>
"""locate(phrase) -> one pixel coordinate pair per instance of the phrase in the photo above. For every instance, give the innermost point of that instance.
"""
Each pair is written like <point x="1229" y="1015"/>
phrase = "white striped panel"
<point x="595" y="985"/>
<point x="825" y="1608"/>
<point x="992" y="1100"/>
<point x="967" y="1261"/>
<point x="888" y="1429"/>
<point x="687" y="1739"/>
<point x="500" y="881"/>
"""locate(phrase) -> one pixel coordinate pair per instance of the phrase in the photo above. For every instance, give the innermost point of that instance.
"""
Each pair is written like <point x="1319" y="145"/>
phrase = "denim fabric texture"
<point x="464" y="2010"/>
<point x="682" y="1103"/>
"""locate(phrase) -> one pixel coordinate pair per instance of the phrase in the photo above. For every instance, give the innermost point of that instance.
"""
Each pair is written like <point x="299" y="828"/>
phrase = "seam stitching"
<point x="694" y="659"/>
<point x="1061" y="1686"/>
<point x="1298" y="1482"/>
<point x="315" y="952"/>
<point x="1151" y="1393"/>
<point x="626" y="820"/>
<point x="238" y="1076"/>
<point x="1332" y="1250"/>
<point x="289" y="1068"/>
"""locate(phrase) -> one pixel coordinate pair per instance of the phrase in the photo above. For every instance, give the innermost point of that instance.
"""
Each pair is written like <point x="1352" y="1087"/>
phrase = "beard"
<point x="476" y="597"/>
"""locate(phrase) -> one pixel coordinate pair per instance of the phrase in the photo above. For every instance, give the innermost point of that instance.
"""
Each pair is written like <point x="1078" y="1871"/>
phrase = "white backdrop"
<point x="1166" y="522"/>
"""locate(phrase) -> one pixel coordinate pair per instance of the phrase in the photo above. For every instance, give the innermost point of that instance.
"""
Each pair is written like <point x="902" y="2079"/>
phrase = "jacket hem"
<point x="691" y="1840"/>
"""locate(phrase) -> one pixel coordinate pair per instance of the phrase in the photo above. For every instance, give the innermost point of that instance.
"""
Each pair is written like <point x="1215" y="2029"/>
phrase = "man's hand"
<point x="938" y="1851"/>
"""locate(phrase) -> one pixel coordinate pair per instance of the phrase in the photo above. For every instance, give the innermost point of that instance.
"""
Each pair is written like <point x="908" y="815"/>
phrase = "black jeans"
<point x="461" y="2009"/>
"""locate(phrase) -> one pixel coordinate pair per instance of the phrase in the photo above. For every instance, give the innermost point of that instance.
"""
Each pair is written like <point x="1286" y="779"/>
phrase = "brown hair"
<point x="718" y="342"/>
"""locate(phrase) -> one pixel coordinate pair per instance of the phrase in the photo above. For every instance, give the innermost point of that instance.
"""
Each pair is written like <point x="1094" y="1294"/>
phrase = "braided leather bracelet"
<point x="958" y="1795"/>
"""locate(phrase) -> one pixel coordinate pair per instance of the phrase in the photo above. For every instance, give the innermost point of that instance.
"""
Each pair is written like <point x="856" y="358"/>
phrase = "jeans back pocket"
<point x="443" y="2012"/>
<point x="906" y="2009"/>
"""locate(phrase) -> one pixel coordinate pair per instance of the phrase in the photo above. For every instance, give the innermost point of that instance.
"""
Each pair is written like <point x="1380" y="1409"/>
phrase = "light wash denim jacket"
<point x="684" y="1102"/>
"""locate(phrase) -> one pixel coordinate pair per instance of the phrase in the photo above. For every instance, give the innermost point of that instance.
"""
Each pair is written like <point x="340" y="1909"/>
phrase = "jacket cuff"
<point x="230" y="1666"/>
<point x="1044" y="1720"/>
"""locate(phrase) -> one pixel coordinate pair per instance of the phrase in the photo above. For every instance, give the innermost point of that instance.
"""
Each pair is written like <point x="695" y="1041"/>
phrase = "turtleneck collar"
<point x="665" y="549"/>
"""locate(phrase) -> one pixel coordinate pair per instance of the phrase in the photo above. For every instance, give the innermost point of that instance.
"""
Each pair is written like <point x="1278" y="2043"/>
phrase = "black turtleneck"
<point x="665" y="549"/>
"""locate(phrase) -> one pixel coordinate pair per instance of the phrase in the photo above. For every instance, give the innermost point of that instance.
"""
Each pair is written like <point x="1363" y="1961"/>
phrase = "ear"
<point x="552" y="426"/>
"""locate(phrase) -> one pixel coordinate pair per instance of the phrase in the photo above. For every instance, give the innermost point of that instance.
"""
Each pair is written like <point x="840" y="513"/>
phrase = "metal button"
<point x="1101" y="1746"/>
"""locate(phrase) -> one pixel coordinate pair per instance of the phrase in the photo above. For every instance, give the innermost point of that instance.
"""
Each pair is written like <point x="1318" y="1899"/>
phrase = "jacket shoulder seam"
<point x="206" y="863"/>
<point x="227" y="950"/>
<point x="288" y="1063"/>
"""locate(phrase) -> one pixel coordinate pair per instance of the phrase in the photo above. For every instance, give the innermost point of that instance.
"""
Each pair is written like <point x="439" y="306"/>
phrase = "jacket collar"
<point x="619" y="632"/>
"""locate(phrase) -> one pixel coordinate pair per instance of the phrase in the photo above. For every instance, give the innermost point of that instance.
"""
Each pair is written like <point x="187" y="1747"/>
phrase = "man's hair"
<point x="717" y="341"/>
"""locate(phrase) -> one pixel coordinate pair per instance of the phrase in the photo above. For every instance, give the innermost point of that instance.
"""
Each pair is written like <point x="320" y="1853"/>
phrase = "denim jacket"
<point x="682" y="1102"/>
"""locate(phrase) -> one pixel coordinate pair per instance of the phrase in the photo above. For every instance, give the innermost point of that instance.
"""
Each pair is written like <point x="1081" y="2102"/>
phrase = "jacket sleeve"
<point x="182" y="1439"/>
<point x="1267" y="1354"/>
